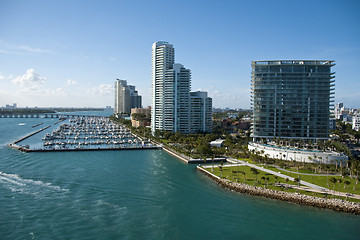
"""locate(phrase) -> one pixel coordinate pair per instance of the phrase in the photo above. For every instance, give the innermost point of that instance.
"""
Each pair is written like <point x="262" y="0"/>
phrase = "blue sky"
<point x="69" y="53"/>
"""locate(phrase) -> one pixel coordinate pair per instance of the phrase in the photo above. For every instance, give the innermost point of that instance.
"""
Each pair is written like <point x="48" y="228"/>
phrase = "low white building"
<point x="217" y="143"/>
<point x="297" y="154"/>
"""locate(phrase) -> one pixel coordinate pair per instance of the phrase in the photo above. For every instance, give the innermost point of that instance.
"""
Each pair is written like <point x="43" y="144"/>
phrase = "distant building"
<point x="171" y="98"/>
<point x="14" y="106"/>
<point x="135" y="98"/>
<point x="356" y="122"/>
<point x="332" y="123"/>
<point x="291" y="99"/>
<point x="338" y="110"/>
<point x="126" y="97"/>
<point x="143" y="118"/>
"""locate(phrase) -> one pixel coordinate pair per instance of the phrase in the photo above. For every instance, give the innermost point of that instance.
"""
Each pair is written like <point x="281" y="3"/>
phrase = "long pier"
<point x="44" y="115"/>
<point x="88" y="149"/>
<point x="31" y="134"/>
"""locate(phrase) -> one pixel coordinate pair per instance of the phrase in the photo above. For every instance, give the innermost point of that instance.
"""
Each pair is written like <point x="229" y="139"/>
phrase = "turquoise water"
<point x="145" y="194"/>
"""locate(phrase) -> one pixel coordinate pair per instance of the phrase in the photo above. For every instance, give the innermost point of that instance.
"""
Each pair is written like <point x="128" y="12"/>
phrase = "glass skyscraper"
<point x="291" y="99"/>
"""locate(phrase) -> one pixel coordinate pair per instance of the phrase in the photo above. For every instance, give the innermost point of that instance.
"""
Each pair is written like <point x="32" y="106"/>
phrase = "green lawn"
<point x="323" y="181"/>
<point x="227" y="172"/>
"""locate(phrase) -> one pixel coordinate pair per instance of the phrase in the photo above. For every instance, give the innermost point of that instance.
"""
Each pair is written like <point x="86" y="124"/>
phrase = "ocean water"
<point x="143" y="194"/>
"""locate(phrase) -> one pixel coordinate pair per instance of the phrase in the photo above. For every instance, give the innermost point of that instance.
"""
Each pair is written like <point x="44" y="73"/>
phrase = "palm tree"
<point x="256" y="172"/>
<point x="263" y="178"/>
<point x="310" y="158"/>
<point x="287" y="180"/>
<point x="244" y="173"/>
<point x="341" y="167"/>
<point x="327" y="175"/>
<point x="261" y="153"/>
<point x="347" y="183"/>
<point x="336" y="162"/>
<point x="298" y="181"/>
<point x="339" y="180"/>
<point x="221" y="168"/>
<point x="212" y="160"/>
<point x="276" y="177"/>
<point x="267" y="181"/>
<point x="333" y="180"/>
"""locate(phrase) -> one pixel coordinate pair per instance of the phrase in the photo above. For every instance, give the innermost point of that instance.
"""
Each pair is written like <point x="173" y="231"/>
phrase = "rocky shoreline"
<point x="332" y="204"/>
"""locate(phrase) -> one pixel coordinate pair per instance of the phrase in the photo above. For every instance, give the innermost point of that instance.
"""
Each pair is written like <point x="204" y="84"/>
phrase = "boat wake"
<point x="38" y="189"/>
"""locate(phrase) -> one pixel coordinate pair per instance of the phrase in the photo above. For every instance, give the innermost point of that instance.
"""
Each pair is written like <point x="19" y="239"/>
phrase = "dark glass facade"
<point x="291" y="99"/>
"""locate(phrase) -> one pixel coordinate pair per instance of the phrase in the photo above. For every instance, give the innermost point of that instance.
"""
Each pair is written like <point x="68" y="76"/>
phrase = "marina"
<point x="86" y="134"/>
<point x="122" y="189"/>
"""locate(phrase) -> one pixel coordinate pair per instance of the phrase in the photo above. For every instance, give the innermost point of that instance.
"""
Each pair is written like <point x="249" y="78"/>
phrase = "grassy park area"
<point x="339" y="184"/>
<point x="244" y="174"/>
<point x="248" y="175"/>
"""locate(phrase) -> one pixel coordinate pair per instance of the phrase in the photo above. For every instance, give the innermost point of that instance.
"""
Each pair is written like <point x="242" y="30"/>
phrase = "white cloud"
<point x="34" y="50"/>
<point x="102" y="89"/>
<point x="70" y="82"/>
<point x="29" y="80"/>
<point x="2" y="76"/>
<point x="21" y="49"/>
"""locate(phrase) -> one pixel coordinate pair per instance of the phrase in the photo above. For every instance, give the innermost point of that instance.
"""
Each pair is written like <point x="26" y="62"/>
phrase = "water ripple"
<point x="36" y="188"/>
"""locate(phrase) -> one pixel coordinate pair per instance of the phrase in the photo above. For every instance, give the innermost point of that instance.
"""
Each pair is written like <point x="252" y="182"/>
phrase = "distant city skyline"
<point x="52" y="59"/>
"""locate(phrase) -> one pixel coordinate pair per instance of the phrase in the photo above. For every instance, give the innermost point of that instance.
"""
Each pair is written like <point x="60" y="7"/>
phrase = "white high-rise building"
<point x="122" y="97"/>
<point x="126" y="97"/>
<point x="171" y="105"/>
<point x="162" y="60"/>
<point x="200" y="112"/>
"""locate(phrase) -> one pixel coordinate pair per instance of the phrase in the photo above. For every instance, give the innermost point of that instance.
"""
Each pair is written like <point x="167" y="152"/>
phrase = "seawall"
<point x="332" y="204"/>
<point x="175" y="154"/>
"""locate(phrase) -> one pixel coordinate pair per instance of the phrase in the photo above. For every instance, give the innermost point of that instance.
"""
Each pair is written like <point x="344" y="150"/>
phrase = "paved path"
<point x="309" y="174"/>
<point x="236" y="161"/>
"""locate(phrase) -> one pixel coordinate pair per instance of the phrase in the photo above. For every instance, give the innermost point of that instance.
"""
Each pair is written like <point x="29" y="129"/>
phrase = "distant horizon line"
<point x="106" y="107"/>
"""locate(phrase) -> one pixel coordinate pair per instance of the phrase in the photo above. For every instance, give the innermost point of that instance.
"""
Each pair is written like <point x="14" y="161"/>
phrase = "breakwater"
<point x="21" y="148"/>
<point x="31" y="134"/>
<point x="89" y="149"/>
<point x="332" y="204"/>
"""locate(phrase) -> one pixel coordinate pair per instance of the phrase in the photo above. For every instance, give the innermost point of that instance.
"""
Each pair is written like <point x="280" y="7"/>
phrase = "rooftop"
<point x="294" y="62"/>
